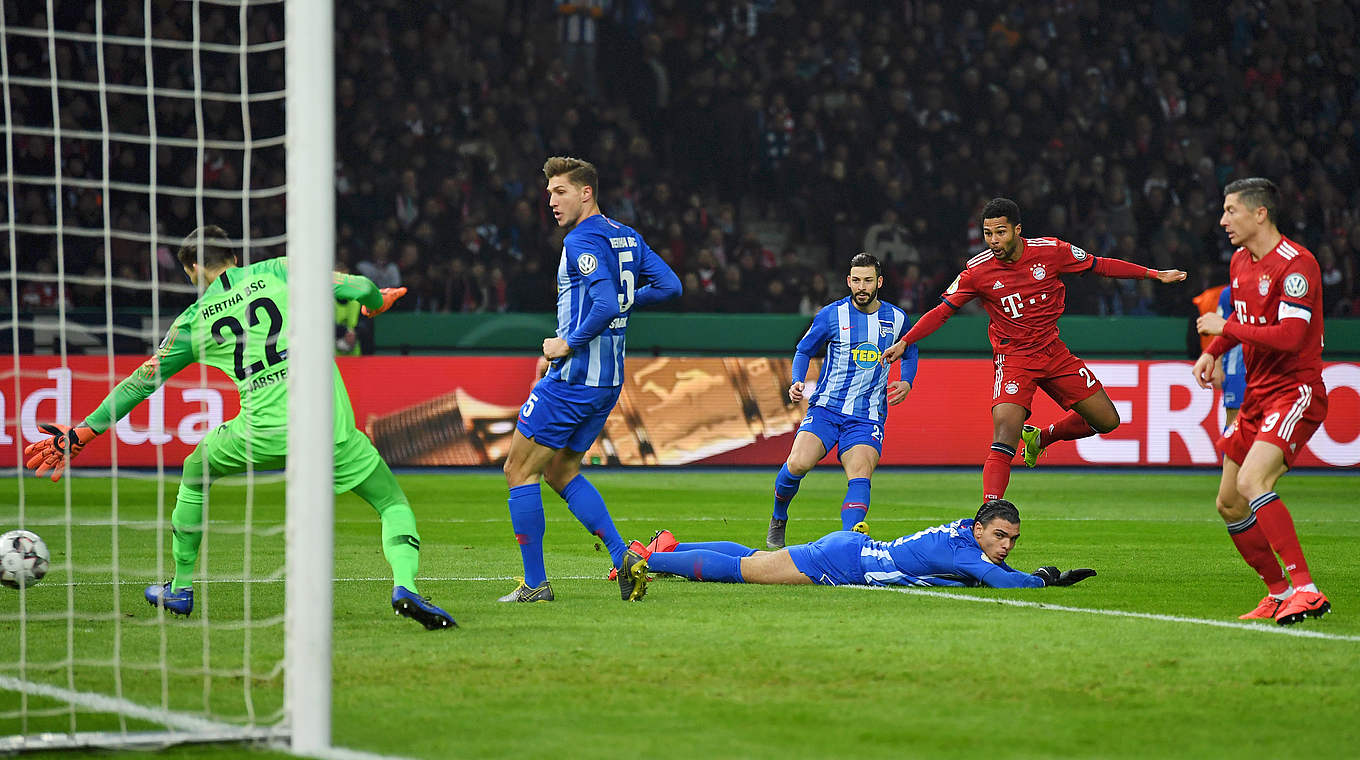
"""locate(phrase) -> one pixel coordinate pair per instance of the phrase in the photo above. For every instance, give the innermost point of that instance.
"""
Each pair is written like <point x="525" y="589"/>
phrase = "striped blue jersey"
<point x="600" y="251"/>
<point x="945" y="555"/>
<point x="852" y="381"/>
<point x="1232" y="360"/>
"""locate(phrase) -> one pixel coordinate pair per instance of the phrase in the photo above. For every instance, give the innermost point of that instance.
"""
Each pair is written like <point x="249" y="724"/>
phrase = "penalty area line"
<point x="1277" y="630"/>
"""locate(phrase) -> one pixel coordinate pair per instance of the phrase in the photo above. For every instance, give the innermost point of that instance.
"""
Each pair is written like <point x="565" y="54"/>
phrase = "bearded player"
<point x="847" y="409"/>
<point x="1277" y="319"/>
<point x="240" y="325"/>
<point x="1019" y="283"/>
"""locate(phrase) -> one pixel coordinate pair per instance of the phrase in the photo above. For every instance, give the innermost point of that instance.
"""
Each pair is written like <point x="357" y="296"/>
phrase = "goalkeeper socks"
<point x="187" y="525"/>
<point x="698" y="565"/>
<point x="785" y="488"/>
<point x="526" y="517"/>
<point x="1071" y="427"/>
<point x="1278" y="525"/>
<point x="400" y="541"/>
<point x="1251" y="542"/>
<point x="401" y="544"/>
<point x="730" y="548"/>
<point x="856" y="505"/>
<point x="996" y="471"/>
<point x="585" y="502"/>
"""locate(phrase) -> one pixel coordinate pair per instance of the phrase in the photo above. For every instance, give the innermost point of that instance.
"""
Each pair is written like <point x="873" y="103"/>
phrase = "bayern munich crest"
<point x="1012" y="387"/>
<point x="1039" y="271"/>
<point x="1263" y="285"/>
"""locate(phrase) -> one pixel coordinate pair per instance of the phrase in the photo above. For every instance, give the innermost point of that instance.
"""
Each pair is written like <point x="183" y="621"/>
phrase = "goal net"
<point x="128" y="124"/>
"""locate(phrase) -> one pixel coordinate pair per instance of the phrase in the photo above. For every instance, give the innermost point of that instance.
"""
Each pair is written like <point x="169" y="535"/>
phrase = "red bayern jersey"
<point x="1285" y="284"/>
<point x="1023" y="298"/>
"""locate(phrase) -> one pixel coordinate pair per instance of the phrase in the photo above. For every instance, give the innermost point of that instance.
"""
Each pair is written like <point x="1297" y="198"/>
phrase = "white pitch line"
<point x="190" y="724"/>
<point x="107" y="704"/>
<point x="1279" y="630"/>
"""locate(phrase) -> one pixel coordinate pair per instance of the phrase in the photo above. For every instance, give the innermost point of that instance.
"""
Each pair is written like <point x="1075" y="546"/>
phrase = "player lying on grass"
<point x="968" y="552"/>
<point x="240" y="325"/>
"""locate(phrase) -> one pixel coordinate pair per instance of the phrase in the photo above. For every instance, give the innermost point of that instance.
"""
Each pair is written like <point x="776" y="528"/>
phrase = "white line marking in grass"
<point x="1280" y="630"/>
<point x="194" y="727"/>
<point x="1276" y="629"/>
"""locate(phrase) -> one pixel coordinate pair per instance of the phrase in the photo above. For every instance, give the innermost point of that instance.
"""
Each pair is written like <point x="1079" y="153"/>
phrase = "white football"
<point x="24" y="559"/>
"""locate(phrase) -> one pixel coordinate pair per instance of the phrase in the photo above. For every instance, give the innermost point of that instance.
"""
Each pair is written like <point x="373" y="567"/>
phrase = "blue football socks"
<point x="856" y="504"/>
<point x="785" y="488"/>
<point x="730" y="548"/>
<point x="585" y="502"/>
<point x="526" y="516"/>
<point x="698" y="565"/>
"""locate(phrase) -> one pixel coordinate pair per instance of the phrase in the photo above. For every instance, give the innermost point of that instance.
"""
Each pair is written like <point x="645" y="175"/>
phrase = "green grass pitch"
<point x="723" y="671"/>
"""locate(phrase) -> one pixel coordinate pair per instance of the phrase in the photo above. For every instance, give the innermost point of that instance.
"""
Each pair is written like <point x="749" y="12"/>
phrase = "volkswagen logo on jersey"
<point x="1295" y="285"/>
<point x="865" y="355"/>
<point x="1263" y="285"/>
<point x="586" y="263"/>
<point x="1039" y="271"/>
<point x="1078" y="254"/>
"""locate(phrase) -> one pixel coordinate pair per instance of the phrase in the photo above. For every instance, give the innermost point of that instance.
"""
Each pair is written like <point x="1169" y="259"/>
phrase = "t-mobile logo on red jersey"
<point x="1011" y="304"/>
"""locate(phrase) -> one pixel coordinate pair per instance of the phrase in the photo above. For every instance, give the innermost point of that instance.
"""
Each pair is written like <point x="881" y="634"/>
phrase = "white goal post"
<point x="311" y="252"/>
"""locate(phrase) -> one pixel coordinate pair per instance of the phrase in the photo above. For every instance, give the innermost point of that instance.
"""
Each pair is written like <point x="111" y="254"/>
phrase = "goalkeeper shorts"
<point x="230" y="449"/>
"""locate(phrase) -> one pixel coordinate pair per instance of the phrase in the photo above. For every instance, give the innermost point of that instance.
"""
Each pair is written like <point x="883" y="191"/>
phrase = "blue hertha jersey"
<point x="1234" y="371"/>
<point x="945" y="555"/>
<point x="600" y="249"/>
<point x="852" y="381"/>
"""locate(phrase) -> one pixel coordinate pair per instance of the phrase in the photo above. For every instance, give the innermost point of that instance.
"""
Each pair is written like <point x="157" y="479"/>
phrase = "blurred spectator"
<point x="379" y="266"/>
<point x="795" y="125"/>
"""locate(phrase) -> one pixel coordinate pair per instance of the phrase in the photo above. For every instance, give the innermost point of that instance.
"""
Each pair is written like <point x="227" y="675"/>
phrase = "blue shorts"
<point x="562" y="415"/>
<point x="1234" y="378"/>
<point x="841" y="431"/>
<point x="832" y="560"/>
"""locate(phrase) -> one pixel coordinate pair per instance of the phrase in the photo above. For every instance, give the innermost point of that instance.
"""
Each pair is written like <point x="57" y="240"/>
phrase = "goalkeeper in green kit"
<point x="239" y="325"/>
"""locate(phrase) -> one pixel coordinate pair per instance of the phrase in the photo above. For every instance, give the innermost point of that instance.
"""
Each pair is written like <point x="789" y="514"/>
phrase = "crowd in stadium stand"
<point x="758" y="146"/>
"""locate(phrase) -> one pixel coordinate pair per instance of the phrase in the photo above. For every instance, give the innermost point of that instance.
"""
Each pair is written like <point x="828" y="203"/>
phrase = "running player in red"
<point x="1018" y="281"/>
<point x="1277" y="318"/>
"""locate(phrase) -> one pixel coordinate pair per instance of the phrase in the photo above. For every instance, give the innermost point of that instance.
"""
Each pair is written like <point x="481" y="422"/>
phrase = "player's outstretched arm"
<point x="1127" y="270"/>
<point x="929" y="323"/>
<point x="356" y="287"/>
<point x="52" y="454"/>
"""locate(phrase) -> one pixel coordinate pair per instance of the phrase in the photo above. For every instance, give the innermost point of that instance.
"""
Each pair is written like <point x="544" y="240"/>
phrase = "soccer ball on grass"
<point x="24" y="559"/>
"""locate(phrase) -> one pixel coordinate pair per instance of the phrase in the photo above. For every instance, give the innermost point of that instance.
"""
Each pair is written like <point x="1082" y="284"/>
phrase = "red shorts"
<point x="1286" y="420"/>
<point x="1065" y="378"/>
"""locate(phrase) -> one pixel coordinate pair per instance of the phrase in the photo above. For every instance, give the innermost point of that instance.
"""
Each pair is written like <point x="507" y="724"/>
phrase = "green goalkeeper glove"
<point x="389" y="297"/>
<point x="52" y="454"/>
<point x="1051" y="577"/>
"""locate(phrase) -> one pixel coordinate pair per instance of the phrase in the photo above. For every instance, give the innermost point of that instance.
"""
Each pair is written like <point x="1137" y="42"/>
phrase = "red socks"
<point x="1071" y="427"/>
<point x="996" y="471"/>
<point x="1251" y="542"/>
<point x="1278" y="526"/>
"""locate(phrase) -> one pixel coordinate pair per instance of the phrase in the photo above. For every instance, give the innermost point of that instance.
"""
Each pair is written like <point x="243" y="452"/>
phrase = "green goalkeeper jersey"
<point x="240" y="326"/>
